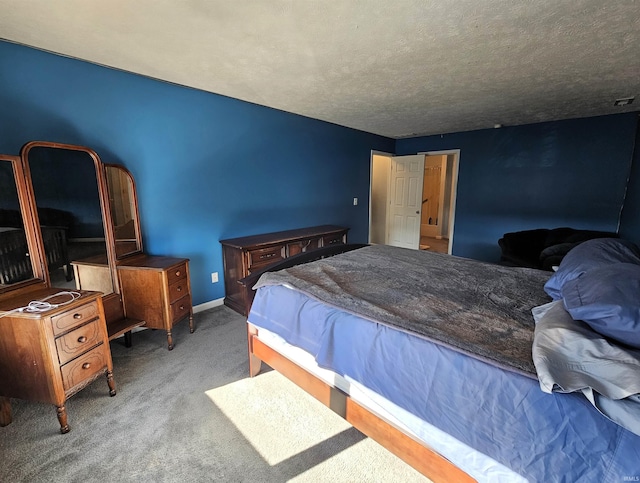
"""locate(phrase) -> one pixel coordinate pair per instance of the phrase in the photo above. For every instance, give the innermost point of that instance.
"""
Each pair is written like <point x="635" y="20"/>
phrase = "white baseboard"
<point x="207" y="305"/>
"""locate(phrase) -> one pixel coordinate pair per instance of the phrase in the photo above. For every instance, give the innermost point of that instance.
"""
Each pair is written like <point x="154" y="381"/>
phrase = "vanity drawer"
<point x="180" y="308"/>
<point x="75" y="317"/>
<point x="178" y="289"/>
<point x="265" y="256"/>
<point x="85" y="366"/>
<point x="78" y="341"/>
<point x="177" y="273"/>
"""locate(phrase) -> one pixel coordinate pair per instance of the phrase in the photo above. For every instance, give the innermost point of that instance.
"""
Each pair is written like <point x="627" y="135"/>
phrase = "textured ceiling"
<point x="392" y="67"/>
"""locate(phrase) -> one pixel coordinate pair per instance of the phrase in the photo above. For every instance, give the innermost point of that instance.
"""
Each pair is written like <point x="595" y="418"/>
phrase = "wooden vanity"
<point x="50" y="352"/>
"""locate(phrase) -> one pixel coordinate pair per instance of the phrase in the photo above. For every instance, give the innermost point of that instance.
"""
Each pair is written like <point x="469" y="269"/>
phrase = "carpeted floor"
<point x="191" y="415"/>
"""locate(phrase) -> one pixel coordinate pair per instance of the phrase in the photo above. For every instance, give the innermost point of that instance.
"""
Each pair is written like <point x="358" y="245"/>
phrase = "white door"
<point x="405" y="201"/>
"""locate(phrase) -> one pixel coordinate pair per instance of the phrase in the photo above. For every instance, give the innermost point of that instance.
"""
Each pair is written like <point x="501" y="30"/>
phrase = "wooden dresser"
<point x="244" y="255"/>
<point x="51" y="355"/>
<point x="156" y="290"/>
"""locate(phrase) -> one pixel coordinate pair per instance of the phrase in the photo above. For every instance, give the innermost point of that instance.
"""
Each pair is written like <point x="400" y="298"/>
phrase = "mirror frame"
<point x="104" y="206"/>
<point x="134" y="210"/>
<point x="34" y="239"/>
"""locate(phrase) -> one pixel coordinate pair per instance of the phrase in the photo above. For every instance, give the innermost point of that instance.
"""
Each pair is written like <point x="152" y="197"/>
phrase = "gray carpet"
<point x="191" y="415"/>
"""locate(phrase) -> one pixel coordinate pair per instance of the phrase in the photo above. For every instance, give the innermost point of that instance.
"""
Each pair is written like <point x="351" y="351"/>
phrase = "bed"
<point x="394" y="341"/>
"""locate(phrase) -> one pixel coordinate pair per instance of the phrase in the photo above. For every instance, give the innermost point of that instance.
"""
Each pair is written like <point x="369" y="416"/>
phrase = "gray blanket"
<point x="473" y="307"/>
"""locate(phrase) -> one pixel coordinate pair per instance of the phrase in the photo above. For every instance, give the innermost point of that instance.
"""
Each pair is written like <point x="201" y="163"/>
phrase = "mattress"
<point x="502" y="415"/>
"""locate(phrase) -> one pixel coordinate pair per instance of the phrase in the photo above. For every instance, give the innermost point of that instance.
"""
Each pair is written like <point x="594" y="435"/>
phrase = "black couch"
<point x="543" y="248"/>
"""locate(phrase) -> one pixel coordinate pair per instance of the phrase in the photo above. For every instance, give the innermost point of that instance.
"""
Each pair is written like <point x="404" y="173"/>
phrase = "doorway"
<point x="437" y="192"/>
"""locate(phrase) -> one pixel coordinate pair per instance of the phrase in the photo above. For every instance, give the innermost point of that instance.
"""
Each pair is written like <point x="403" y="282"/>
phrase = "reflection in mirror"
<point x="67" y="199"/>
<point x="122" y="203"/>
<point x="15" y="261"/>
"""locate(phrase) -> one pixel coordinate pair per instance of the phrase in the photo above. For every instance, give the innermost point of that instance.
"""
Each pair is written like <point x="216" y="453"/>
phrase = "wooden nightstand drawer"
<point x="78" y="341"/>
<point x="180" y="308"/>
<point x="178" y="290"/>
<point x="73" y="318"/>
<point x="85" y="366"/>
<point x="265" y="256"/>
<point x="178" y="273"/>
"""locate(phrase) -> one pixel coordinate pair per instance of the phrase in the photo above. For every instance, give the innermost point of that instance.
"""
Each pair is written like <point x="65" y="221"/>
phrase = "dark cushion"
<point x="607" y="298"/>
<point x="552" y="256"/>
<point x="525" y="244"/>
<point x="555" y="250"/>
<point x="556" y="236"/>
<point x="526" y="248"/>
<point x="589" y="255"/>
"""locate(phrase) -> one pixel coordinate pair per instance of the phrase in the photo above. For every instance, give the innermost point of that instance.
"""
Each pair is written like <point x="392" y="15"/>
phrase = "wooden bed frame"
<point x="413" y="452"/>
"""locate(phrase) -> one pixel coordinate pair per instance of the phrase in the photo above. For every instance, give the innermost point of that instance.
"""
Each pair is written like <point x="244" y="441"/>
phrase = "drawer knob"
<point x="177" y="273"/>
<point x="182" y="307"/>
<point x="82" y="339"/>
<point x="77" y="316"/>
<point x="86" y="365"/>
<point x="179" y="288"/>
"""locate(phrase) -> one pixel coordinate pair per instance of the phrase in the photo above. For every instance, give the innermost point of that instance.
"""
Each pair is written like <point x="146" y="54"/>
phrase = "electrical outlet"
<point x="355" y="202"/>
<point x="214" y="277"/>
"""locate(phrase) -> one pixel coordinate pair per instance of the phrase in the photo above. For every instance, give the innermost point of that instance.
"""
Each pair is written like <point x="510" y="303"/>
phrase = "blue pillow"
<point x="607" y="298"/>
<point x="590" y="254"/>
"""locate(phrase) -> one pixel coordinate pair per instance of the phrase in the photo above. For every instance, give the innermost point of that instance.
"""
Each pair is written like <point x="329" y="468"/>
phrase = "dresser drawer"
<point x="73" y="318"/>
<point x="332" y="239"/>
<point x="78" y="341"/>
<point x="265" y="256"/>
<point x="178" y="290"/>
<point x="177" y="273"/>
<point x="302" y="246"/>
<point x="180" y="308"/>
<point x="85" y="366"/>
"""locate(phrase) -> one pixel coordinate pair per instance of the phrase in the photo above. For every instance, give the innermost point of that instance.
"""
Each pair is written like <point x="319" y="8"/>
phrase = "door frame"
<point x="454" y="189"/>
<point x="379" y="153"/>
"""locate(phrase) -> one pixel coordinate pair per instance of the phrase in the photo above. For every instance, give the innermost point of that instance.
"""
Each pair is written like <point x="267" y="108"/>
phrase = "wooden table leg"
<point x="127" y="339"/>
<point x="191" y="326"/>
<point x="5" y="411"/>
<point x="111" y="383"/>
<point x="62" y="419"/>
<point x="170" y="340"/>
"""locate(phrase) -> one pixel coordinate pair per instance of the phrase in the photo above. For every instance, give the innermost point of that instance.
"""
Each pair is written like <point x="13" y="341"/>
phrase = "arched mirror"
<point x="66" y="182"/>
<point x="17" y="237"/>
<point x="123" y="207"/>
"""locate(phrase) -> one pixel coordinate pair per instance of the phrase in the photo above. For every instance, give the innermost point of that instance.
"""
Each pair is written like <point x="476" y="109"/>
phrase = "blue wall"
<point x="630" y="218"/>
<point x="209" y="167"/>
<point x="206" y="167"/>
<point x="565" y="173"/>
